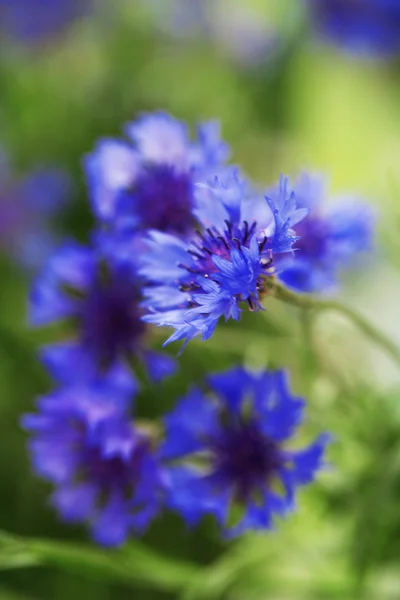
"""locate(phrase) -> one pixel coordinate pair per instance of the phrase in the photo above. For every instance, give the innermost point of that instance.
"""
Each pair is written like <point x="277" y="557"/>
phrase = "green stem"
<point x="310" y="302"/>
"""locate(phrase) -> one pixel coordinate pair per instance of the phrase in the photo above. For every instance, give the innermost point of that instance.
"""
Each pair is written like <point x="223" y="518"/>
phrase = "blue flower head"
<point x="227" y="260"/>
<point x="27" y="206"/>
<point x="103" y="468"/>
<point x="99" y="296"/>
<point x="34" y="21"/>
<point x="367" y="27"/>
<point x="234" y="456"/>
<point x="148" y="181"/>
<point x="332" y="238"/>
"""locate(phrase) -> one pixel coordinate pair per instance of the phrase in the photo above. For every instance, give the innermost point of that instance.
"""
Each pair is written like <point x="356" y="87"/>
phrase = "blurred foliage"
<point x="303" y="107"/>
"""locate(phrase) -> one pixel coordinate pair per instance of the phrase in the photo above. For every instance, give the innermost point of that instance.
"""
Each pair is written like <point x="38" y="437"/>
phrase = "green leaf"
<point x="130" y="565"/>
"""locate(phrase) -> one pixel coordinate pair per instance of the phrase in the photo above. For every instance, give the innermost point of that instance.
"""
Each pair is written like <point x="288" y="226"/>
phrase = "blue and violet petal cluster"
<point x="334" y="237"/>
<point x="234" y="454"/>
<point x="181" y="240"/>
<point x="103" y="467"/>
<point x="147" y="181"/>
<point x="227" y="260"/>
<point x="98" y="296"/>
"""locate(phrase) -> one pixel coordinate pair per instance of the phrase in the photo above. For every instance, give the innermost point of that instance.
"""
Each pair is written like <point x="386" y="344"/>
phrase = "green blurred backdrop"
<point x="302" y="106"/>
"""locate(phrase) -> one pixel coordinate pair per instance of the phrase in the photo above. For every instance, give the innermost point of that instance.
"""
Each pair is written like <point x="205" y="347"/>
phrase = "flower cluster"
<point x="181" y="240"/>
<point x="107" y="471"/>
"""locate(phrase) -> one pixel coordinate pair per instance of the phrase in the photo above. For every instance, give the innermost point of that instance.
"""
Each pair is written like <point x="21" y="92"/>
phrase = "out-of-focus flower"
<point x="234" y="455"/>
<point x="148" y="181"/>
<point x="27" y="206"/>
<point x="238" y="31"/>
<point x="99" y="295"/>
<point x="103" y="468"/>
<point x="332" y="238"/>
<point x="193" y="284"/>
<point x="366" y="27"/>
<point x="36" y="21"/>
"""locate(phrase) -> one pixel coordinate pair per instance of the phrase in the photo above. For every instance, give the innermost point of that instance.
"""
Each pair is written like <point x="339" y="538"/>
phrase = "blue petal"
<point x="159" y="366"/>
<point x="282" y="203"/>
<point x="75" y="503"/>
<point x="47" y="303"/>
<point x="310" y="190"/>
<point x="71" y="364"/>
<point x="210" y="150"/>
<point x="111" y="168"/>
<point x="164" y="254"/>
<point x="191" y="496"/>
<point x="280" y="412"/>
<point x="306" y="275"/>
<point x="111" y="526"/>
<point x="306" y="462"/>
<point x="51" y="460"/>
<point x="233" y="386"/>
<point x="160" y="138"/>
<point x="184" y="434"/>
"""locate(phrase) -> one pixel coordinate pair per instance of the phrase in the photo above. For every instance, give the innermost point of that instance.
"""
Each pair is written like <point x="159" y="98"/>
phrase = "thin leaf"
<point x="130" y="565"/>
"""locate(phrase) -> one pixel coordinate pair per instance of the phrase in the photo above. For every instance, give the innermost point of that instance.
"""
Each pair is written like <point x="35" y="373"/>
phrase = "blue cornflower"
<point x="27" y="206"/>
<point x="227" y="261"/>
<point x="331" y="238"/>
<point x="35" y="21"/>
<point x="103" y="467"/>
<point x="370" y="27"/>
<point x="99" y="296"/>
<point x="229" y="452"/>
<point x="148" y="181"/>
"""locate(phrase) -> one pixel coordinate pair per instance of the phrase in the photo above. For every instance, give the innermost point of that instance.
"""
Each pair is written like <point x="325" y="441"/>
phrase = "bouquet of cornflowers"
<point x="182" y="239"/>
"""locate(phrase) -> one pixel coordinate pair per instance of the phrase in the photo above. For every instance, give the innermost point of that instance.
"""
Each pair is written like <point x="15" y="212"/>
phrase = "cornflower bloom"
<point x="232" y="460"/>
<point x="98" y="295"/>
<point x="103" y="468"/>
<point x="367" y="27"/>
<point x="32" y="22"/>
<point x="27" y="205"/>
<point x="226" y="262"/>
<point x="148" y="181"/>
<point x="332" y="238"/>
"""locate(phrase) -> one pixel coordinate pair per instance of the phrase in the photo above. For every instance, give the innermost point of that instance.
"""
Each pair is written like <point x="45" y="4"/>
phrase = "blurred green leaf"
<point x="131" y="565"/>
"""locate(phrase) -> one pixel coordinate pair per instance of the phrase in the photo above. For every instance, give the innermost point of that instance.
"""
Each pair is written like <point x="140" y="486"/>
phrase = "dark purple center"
<point x="244" y="459"/>
<point x="212" y="243"/>
<point x="163" y="199"/>
<point x="313" y="236"/>
<point x="111" y="325"/>
<point x="114" y="473"/>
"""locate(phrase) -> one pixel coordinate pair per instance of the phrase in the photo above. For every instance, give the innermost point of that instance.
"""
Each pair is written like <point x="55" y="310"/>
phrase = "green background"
<point x="305" y="106"/>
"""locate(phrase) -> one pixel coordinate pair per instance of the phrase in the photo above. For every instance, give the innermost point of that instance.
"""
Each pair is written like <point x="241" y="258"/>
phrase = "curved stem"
<point x="313" y="303"/>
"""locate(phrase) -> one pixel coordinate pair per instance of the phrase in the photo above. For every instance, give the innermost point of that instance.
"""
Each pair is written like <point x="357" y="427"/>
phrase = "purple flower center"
<point x="163" y="199"/>
<point x="313" y="237"/>
<point x="244" y="459"/>
<point x="114" y="473"/>
<point x="212" y="242"/>
<point x="111" y="319"/>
